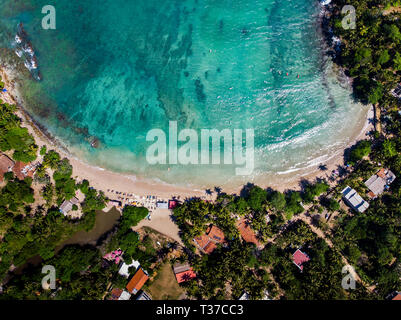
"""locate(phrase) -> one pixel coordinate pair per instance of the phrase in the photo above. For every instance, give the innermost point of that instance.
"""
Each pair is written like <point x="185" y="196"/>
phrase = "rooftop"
<point x="207" y="241"/>
<point x="354" y="199"/>
<point x="210" y="247"/>
<point x="125" y="295"/>
<point x="397" y="296"/>
<point x="215" y="234"/>
<point x="23" y="170"/>
<point x="125" y="267"/>
<point x="116" y="293"/>
<point x="178" y="268"/>
<point x="246" y="232"/>
<point x="299" y="258"/>
<point x="67" y="205"/>
<point x="172" y="204"/>
<point x="137" y="281"/>
<point x="185" y="276"/>
<point x="244" y="296"/>
<point x="202" y="241"/>
<point x="144" y="296"/>
<point x="6" y="164"/>
<point x="378" y="182"/>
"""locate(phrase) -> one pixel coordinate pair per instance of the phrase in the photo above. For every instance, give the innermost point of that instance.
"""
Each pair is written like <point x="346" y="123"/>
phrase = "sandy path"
<point x="161" y="222"/>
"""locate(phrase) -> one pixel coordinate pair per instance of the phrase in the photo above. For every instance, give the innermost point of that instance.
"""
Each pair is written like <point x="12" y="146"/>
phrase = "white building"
<point x="162" y="205"/>
<point x="125" y="295"/>
<point x="67" y="205"/>
<point x="353" y="199"/>
<point x="125" y="267"/>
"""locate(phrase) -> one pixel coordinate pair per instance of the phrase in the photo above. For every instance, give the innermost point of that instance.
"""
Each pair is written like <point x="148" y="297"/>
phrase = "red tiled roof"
<point x="5" y="164"/>
<point x="215" y="234"/>
<point x="137" y="281"/>
<point x="382" y="173"/>
<point x="17" y="169"/>
<point x="185" y="276"/>
<point x="116" y="293"/>
<point x="207" y="242"/>
<point x="246" y="232"/>
<point x="202" y="241"/>
<point x="299" y="258"/>
<point x="210" y="247"/>
<point x="397" y="297"/>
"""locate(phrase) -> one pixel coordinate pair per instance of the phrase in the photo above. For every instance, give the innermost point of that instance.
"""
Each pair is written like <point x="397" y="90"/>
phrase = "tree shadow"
<point x="245" y="189"/>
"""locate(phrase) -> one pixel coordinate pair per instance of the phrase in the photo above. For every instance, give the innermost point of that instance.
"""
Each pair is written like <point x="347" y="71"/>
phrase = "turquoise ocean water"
<point x="116" y="69"/>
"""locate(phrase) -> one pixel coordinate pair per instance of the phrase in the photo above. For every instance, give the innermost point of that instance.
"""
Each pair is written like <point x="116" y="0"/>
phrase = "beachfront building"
<point x="183" y="272"/>
<point x="23" y="170"/>
<point x="172" y="204"/>
<point x="162" y="205"/>
<point x="208" y="241"/>
<point x="124" y="269"/>
<point x="137" y="281"/>
<point x="379" y="182"/>
<point x="67" y="205"/>
<point x="353" y="199"/>
<point x="6" y="165"/>
<point x="299" y="258"/>
<point x="115" y="203"/>
<point x="247" y="234"/>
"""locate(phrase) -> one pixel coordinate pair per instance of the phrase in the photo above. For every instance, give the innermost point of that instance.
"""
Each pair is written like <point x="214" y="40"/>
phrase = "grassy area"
<point x="165" y="286"/>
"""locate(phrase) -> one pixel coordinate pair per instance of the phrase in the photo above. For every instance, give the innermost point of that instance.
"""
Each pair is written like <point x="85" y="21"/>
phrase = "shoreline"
<point x="105" y="179"/>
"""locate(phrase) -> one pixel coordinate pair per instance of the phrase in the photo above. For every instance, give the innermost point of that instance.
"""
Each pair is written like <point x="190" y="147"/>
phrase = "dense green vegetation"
<point x="80" y="270"/>
<point x="80" y="275"/>
<point x="372" y="52"/>
<point x="128" y="240"/>
<point x="322" y="271"/>
<point x="236" y="267"/>
<point x="26" y="228"/>
<point x="13" y="137"/>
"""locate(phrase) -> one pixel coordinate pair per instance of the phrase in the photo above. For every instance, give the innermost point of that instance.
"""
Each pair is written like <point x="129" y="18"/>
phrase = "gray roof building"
<point x="379" y="182"/>
<point x="353" y="199"/>
<point x="67" y="205"/>
<point x="178" y="268"/>
<point x="162" y="205"/>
